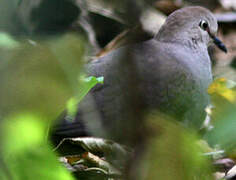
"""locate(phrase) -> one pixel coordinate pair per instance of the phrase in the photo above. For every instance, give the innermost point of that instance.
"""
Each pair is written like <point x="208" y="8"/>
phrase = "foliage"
<point x="85" y="85"/>
<point x="173" y="152"/>
<point x="25" y="151"/>
<point x="37" y="79"/>
<point x="223" y="93"/>
<point x="40" y="78"/>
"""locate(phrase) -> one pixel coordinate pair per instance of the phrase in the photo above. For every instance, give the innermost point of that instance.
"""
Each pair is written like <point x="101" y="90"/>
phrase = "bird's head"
<point x="193" y="24"/>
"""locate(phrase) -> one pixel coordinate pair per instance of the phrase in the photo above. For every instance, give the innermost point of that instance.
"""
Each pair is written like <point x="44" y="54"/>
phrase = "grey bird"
<point x="169" y="73"/>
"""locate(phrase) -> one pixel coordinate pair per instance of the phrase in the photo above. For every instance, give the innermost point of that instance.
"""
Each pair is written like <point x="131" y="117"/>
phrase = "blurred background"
<point x="43" y="46"/>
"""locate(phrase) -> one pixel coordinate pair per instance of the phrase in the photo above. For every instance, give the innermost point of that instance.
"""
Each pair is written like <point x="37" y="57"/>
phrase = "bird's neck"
<point x="185" y="36"/>
<point x="194" y="43"/>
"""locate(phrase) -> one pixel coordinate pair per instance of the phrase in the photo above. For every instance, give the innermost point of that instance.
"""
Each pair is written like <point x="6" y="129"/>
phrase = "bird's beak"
<point x="219" y="44"/>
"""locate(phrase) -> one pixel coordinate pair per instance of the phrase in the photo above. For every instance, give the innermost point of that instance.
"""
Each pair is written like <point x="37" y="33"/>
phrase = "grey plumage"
<point x="172" y="74"/>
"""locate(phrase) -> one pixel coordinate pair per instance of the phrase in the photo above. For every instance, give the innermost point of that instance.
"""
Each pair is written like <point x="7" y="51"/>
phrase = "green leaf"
<point x="223" y="97"/>
<point x="84" y="87"/>
<point x="36" y="82"/>
<point x="222" y="87"/>
<point x="172" y="152"/>
<point x="224" y="131"/>
<point x="7" y="41"/>
<point x="40" y="78"/>
<point x="21" y="132"/>
<point x="26" y="153"/>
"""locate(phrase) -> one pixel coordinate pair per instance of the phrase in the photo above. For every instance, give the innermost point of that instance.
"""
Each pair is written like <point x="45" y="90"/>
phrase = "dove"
<point x="169" y="74"/>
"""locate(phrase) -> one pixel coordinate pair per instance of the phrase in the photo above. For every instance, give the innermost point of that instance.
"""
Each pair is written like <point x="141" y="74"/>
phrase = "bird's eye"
<point x="204" y="25"/>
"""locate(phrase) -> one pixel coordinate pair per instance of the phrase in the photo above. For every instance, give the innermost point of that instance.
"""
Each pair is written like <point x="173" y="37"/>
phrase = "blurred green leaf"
<point x="40" y="78"/>
<point x="7" y="41"/>
<point x="223" y="95"/>
<point x="223" y="87"/>
<point x="8" y="22"/>
<point x="21" y="132"/>
<point x="25" y="152"/>
<point x="173" y="153"/>
<point x="37" y="79"/>
<point x="224" y="131"/>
